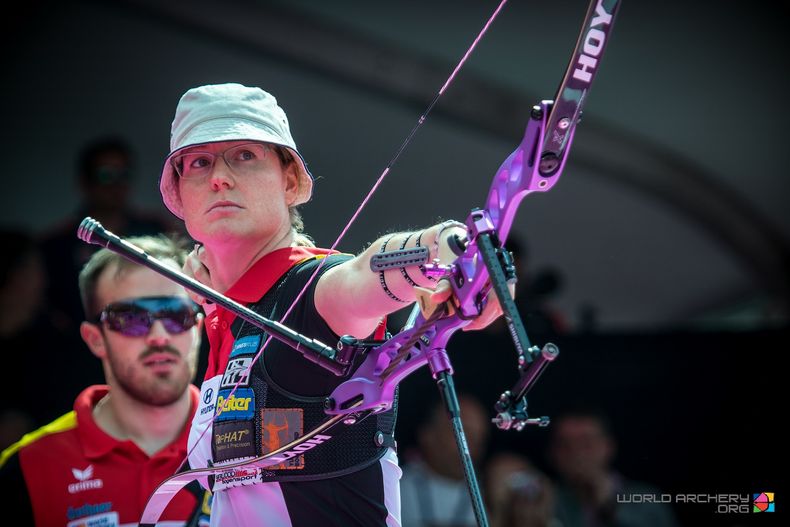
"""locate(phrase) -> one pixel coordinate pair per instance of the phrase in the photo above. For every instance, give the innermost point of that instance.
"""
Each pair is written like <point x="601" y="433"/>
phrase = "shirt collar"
<point x="268" y="269"/>
<point x="97" y="443"/>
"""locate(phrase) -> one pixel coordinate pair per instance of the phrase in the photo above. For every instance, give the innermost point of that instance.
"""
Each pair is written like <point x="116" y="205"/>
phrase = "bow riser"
<point x="520" y="173"/>
<point x="374" y="382"/>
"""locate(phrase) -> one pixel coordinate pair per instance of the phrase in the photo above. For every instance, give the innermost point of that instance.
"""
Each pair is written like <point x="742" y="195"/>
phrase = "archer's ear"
<point x="94" y="339"/>
<point x="291" y="176"/>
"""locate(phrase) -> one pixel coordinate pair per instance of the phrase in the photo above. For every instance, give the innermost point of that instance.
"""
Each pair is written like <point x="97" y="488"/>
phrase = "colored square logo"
<point x="280" y="426"/>
<point x="763" y="502"/>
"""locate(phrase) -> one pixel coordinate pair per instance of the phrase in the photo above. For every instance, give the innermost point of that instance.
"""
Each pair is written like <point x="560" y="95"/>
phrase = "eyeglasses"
<point x="135" y="317"/>
<point x="243" y="159"/>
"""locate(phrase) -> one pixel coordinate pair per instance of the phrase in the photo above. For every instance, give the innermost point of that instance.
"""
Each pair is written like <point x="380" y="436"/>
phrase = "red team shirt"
<point x="77" y="475"/>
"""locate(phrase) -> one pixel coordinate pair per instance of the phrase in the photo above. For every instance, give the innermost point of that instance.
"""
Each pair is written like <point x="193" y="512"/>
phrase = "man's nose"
<point x="157" y="335"/>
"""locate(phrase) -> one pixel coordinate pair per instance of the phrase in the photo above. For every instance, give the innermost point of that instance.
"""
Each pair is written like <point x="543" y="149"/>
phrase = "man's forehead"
<point x="118" y="282"/>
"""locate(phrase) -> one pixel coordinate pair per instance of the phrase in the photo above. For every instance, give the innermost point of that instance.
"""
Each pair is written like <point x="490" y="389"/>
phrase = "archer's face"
<point x="247" y="202"/>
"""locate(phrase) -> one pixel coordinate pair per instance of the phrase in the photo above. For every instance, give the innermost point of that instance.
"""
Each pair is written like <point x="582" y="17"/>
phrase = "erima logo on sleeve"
<point x="84" y="481"/>
<point x="82" y="475"/>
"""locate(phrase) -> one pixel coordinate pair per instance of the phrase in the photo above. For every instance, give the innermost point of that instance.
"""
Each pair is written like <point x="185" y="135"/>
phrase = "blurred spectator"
<point x="534" y="291"/>
<point x="104" y="176"/>
<point x="518" y="494"/>
<point x="32" y="346"/>
<point x="433" y="489"/>
<point x="582" y="450"/>
<point x="22" y="281"/>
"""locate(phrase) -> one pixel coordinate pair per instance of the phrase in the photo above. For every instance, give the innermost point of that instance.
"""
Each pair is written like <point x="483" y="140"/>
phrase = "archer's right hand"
<point x="195" y="268"/>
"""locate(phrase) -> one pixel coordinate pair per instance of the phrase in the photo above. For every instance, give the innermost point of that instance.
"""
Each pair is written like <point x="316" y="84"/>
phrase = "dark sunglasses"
<point x="135" y="317"/>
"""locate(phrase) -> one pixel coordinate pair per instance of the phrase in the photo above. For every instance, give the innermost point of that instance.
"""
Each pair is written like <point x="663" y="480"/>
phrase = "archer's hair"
<point x="297" y="225"/>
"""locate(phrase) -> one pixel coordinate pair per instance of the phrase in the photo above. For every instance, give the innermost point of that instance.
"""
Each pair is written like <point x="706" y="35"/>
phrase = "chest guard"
<point x="262" y="416"/>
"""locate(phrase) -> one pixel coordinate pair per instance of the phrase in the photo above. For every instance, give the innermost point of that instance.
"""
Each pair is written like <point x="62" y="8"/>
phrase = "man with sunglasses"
<point x="98" y="464"/>
<point x="235" y="176"/>
<point x="104" y="178"/>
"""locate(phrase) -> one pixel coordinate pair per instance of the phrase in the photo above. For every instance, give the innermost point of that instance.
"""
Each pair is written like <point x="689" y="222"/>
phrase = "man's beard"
<point x="155" y="390"/>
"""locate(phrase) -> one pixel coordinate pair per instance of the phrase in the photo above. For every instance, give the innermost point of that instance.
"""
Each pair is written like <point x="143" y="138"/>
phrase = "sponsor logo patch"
<point x="236" y="477"/>
<point x="248" y="345"/>
<point x="239" y="406"/>
<point x="88" y="509"/>
<point x="237" y="372"/>
<point x="233" y="440"/>
<point x="85" y="480"/>
<point x="208" y="404"/>
<point x="280" y="426"/>
<point x="109" y="519"/>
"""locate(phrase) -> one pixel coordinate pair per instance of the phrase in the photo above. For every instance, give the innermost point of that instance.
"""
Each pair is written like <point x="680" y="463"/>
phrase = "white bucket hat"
<point x="228" y="112"/>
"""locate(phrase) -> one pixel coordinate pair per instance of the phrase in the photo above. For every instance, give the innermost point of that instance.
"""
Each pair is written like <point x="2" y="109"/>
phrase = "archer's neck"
<point x="228" y="261"/>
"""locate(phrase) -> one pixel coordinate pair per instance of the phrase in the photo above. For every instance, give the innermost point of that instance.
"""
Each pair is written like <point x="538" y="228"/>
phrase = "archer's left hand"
<point x="491" y="311"/>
